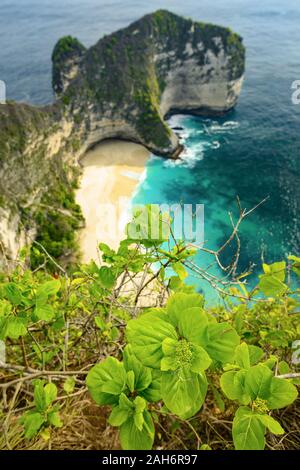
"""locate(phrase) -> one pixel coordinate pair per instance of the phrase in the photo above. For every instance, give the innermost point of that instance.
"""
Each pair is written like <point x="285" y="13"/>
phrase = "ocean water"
<point x="252" y="153"/>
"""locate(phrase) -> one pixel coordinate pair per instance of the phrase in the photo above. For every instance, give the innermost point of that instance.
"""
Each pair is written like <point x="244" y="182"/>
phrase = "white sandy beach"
<point x="112" y="172"/>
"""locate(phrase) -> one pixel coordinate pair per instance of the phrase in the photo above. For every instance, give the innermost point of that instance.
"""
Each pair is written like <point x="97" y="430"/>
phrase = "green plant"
<point x="254" y="386"/>
<point x="179" y="344"/>
<point x="174" y="365"/>
<point x="129" y="387"/>
<point x="182" y="342"/>
<point x="23" y="305"/>
<point x="44" y="414"/>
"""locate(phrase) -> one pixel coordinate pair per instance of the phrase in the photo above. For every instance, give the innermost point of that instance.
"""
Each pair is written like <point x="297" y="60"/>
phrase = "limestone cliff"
<point x="129" y="81"/>
<point x="124" y="86"/>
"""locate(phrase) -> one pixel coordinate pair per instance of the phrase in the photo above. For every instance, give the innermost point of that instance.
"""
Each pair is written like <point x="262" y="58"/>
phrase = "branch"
<point x="293" y="375"/>
<point x="32" y="374"/>
<point x="51" y="259"/>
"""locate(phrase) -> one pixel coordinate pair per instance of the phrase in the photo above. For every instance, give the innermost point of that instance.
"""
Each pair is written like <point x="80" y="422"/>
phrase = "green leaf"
<point x="205" y="447"/>
<point x="12" y="327"/>
<point x="44" y="312"/>
<point x="108" y="252"/>
<point x="140" y="406"/>
<point x="277" y="270"/>
<point x="271" y="423"/>
<point x="248" y="431"/>
<point x="255" y="354"/>
<point x="201" y="360"/>
<point x="162" y="273"/>
<point x="180" y="270"/>
<point x="131" y="380"/>
<point x="100" y="323"/>
<point x="39" y="395"/>
<point x="45" y="434"/>
<point x="118" y="416"/>
<point x="183" y="392"/>
<point x="59" y="323"/>
<point x="139" y="420"/>
<point x="142" y="375"/>
<point x="228" y="386"/>
<point x="46" y="355"/>
<point x="192" y="325"/>
<point x="153" y="392"/>
<point x="69" y="385"/>
<point x="5" y="308"/>
<point x="50" y="392"/>
<point x="44" y="395"/>
<point x="125" y="403"/>
<point x="222" y="342"/>
<point x="168" y="363"/>
<point x="282" y="394"/>
<point x="32" y="421"/>
<point x="106" y="381"/>
<point x="270" y="362"/>
<point x="48" y="288"/>
<point x="283" y="368"/>
<point x="133" y="439"/>
<point x="232" y="384"/>
<point x="179" y="302"/>
<point x="169" y="348"/>
<point x="242" y="356"/>
<point x="106" y="276"/>
<point x="175" y="284"/>
<point x="271" y="286"/>
<point x="54" y="419"/>
<point x="13" y="294"/>
<point x="146" y="335"/>
<point x="258" y="382"/>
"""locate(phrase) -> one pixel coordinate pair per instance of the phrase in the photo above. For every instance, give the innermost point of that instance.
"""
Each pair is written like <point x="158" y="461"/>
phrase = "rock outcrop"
<point x="127" y="83"/>
<point x="122" y="87"/>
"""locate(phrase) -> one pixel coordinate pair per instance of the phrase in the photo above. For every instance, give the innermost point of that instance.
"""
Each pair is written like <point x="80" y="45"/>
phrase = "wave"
<point x="225" y="127"/>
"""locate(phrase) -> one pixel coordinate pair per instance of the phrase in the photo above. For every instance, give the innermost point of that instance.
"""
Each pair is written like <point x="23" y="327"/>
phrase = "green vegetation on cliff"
<point x="57" y="221"/>
<point x="19" y="123"/>
<point x="67" y="49"/>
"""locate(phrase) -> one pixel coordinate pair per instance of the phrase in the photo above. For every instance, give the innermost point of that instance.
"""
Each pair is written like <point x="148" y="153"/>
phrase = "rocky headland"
<point x="122" y="87"/>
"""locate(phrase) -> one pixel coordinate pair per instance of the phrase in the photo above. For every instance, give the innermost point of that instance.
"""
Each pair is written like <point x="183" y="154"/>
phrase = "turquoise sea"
<point x="252" y="153"/>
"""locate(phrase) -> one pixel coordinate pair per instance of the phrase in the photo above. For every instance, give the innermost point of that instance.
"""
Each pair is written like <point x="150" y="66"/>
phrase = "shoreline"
<point x="112" y="173"/>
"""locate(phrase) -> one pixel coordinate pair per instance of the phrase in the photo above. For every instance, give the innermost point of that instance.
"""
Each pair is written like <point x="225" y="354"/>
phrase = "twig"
<point x="293" y="375"/>
<point x="51" y="259"/>
<point x="45" y="373"/>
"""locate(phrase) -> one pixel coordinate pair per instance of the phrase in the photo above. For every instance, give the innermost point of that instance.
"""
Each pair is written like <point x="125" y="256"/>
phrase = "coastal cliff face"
<point x="127" y="83"/>
<point x="122" y="87"/>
